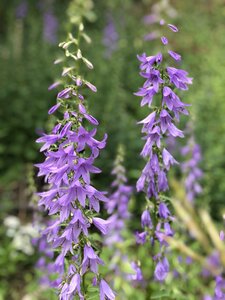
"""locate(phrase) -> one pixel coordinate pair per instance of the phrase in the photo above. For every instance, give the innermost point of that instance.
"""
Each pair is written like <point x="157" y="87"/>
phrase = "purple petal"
<point x="64" y="93"/>
<point x="53" y="108"/>
<point x="173" y="27"/>
<point x="91" y="119"/>
<point x="82" y="109"/>
<point x="54" y="85"/>
<point x="91" y="86"/>
<point x="164" y="40"/>
<point x="174" y="55"/>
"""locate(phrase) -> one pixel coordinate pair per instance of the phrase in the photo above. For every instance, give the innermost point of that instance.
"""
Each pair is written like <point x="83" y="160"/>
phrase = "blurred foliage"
<point x="203" y="51"/>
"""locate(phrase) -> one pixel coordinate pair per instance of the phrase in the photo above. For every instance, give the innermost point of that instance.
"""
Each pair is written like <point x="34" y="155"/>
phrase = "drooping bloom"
<point x="157" y="126"/>
<point x="70" y="151"/>
<point x="45" y="262"/>
<point x="162" y="269"/>
<point x="105" y="291"/>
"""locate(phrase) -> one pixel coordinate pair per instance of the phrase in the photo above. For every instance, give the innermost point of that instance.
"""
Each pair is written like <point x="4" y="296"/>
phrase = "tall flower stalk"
<point x="70" y="150"/>
<point x="117" y="206"/>
<point x="190" y="167"/>
<point x="159" y="92"/>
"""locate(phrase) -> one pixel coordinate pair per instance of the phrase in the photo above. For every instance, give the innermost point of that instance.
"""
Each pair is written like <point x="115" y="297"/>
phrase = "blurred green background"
<point x="29" y="33"/>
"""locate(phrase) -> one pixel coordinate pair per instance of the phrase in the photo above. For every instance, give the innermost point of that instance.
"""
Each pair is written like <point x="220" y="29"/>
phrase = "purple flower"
<point x="147" y="62"/>
<point x="90" y="118"/>
<point x="163" y="211"/>
<point x="179" y="78"/>
<point x="54" y="108"/>
<point x="167" y="125"/>
<point x="101" y="224"/>
<point x="164" y="40"/>
<point x="222" y="236"/>
<point x="105" y="291"/>
<point x="207" y="297"/>
<point x="118" y="202"/>
<point x="147" y="94"/>
<point x="71" y="289"/>
<point x="70" y="151"/>
<point x="160" y="123"/>
<point x="65" y="93"/>
<point x="153" y="77"/>
<point x="189" y="260"/>
<point x="162" y="269"/>
<point x="167" y="229"/>
<point x="141" y="237"/>
<point x="191" y="169"/>
<point x="174" y="55"/>
<point x="90" y="260"/>
<point x="162" y="182"/>
<point x="91" y="86"/>
<point x="146" y="219"/>
<point x="220" y="288"/>
<point x="173" y="27"/>
<point x="173" y="102"/>
<point x="53" y="85"/>
<point x="168" y="159"/>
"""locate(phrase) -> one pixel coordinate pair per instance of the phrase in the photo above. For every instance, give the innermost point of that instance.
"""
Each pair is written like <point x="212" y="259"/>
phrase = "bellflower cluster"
<point x="117" y="205"/>
<point x="110" y="37"/>
<point x="46" y="263"/>
<point x="166" y="108"/>
<point x="191" y="168"/>
<point x="70" y="150"/>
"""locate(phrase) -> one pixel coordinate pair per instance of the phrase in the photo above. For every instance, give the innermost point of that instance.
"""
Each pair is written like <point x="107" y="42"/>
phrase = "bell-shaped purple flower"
<point x="101" y="224"/>
<point x="162" y="269"/>
<point x="105" y="291"/>
<point x="163" y="211"/>
<point x="90" y="260"/>
<point x="146" y="219"/>
<point x="168" y="159"/>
